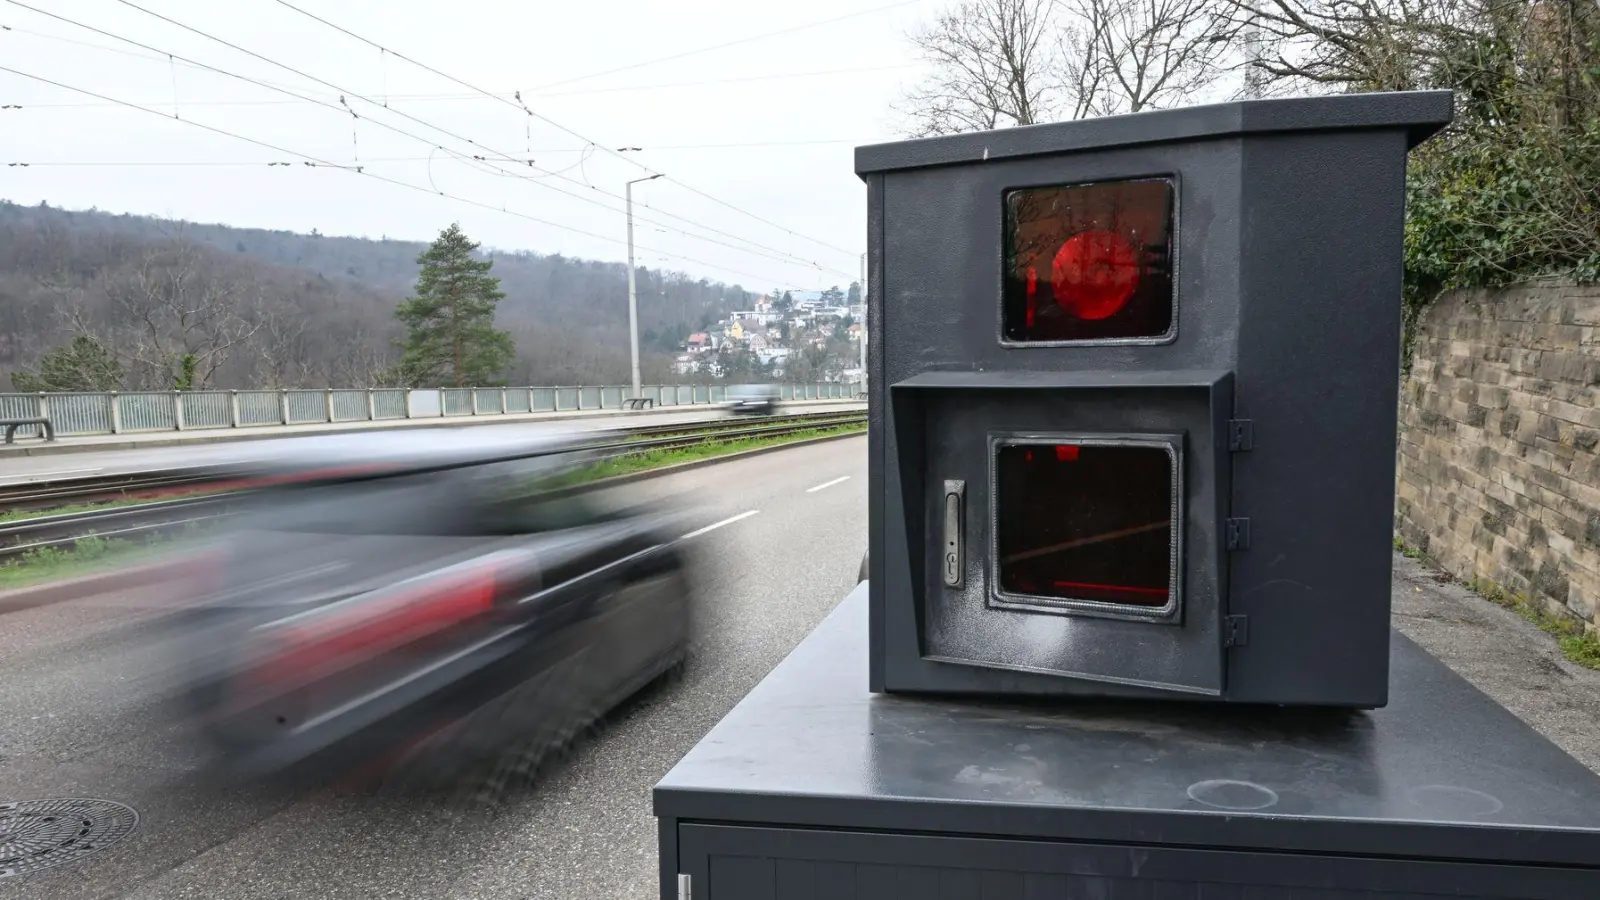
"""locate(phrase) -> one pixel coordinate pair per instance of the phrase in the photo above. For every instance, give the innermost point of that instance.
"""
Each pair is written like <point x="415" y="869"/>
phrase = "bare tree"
<point x="366" y="363"/>
<point x="1127" y="56"/>
<point x="1369" y="45"/>
<point x="281" y="349"/>
<point x="998" y="63"/>
<point x="176" y="321"/>
<point x="995" y="64"/>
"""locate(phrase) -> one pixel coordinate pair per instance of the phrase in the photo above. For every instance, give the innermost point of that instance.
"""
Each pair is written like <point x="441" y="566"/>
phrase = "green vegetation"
<point x="1507" y="193"/>
<point x="88" y="556"/>
<point x="1408" y="551"/>
<point x="710" y="430"/>
<point x="1576" y="643"/>
<point x="655" y="459"/>
<point x="83" y="364"/>
<point x="450" y="333"/>
<point x="1578" y="646"/>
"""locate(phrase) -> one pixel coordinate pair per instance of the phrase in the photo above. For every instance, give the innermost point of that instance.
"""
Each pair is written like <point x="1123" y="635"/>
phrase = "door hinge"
<point x="1241" y="435"/>
<point x="684" y="889"/>
<point x="1237" y="629"/>
<point x="1238" y="534"/>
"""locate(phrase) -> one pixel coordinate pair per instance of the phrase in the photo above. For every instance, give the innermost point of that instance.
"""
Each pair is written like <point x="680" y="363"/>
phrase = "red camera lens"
<point x="1089" y="262"/>
<point x="1094" y="274"/>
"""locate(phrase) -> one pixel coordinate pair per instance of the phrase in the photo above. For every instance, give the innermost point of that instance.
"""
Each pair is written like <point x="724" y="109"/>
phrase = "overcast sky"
<point x="832" y="85"/>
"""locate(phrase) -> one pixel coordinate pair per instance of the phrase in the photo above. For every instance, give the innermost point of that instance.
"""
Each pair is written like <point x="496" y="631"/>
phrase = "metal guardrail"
<point x="133" y="412"/>
<point x="63" y="530"/>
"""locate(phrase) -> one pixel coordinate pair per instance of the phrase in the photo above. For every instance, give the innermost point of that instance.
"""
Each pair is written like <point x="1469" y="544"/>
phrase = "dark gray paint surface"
<point x="1287" y="255"/>
<point x="1418" y="113"/>
<point x="742" y="863"/>
<point x="1182" y="653"/>
<point x="1443" y="773"/>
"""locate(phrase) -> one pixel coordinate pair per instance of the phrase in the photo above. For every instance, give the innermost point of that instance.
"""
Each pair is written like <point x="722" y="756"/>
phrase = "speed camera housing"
<point x="1133" y="402"/>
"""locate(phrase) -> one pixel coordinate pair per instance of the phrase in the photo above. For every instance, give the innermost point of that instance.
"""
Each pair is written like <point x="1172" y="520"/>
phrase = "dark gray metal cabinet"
<point x="1274" y="253"/>
<point x="813" y="787"/>
<point x="749" y="863"/>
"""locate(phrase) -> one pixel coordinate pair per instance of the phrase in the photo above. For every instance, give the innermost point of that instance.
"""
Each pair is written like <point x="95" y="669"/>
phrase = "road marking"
<point x="827" y="484"/>
<point x="715" y="525"/>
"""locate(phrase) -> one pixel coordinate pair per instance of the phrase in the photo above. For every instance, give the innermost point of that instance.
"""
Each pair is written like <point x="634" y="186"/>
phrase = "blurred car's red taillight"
<point x="367" y="626"/>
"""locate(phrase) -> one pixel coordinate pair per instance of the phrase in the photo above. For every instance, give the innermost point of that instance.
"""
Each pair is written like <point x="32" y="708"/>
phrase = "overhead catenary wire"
<point x="345" y="91"/>
<point x="200" y="163"/>
<point x="342" y="106"/>
<point x="524" y="107"/>
<point x="321" y="163"/>
<point x="163" y="58"/>
<point x="733" y="43"/>
<point x="459" y="97"/>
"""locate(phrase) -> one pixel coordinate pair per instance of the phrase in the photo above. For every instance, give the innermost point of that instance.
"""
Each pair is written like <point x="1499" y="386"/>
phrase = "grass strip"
<point x="655" y="459"/>
<point x="89" y="556"/>
<point x="715" y="429"/>
<point x="1577" y="643"/>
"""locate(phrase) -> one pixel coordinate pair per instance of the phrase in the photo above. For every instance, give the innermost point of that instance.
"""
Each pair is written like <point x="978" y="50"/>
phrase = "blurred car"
<point x="434" y="599"/>
<point x="753" y="399"/>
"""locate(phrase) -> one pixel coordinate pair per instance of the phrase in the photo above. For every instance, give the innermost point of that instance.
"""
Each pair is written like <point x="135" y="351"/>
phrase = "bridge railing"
<point x="130" y="412"/>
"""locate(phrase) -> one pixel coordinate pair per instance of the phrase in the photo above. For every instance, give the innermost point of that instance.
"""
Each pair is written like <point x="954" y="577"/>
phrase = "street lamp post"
<point x="633" y="291"/>
<point x="863" y="321"/>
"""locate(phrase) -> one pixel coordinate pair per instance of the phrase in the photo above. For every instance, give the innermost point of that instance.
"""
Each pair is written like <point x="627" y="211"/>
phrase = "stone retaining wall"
<point x="1499" y="474"/>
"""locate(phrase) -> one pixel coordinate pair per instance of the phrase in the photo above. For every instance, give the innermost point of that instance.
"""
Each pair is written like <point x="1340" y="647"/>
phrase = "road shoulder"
<point x="1501" y="654"/>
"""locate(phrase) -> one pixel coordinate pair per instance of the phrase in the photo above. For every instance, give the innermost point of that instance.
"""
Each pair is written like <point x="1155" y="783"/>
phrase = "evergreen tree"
<point x="82" y="365"/>
<point x="450" y="333"/>
<point x="855" y="293"/>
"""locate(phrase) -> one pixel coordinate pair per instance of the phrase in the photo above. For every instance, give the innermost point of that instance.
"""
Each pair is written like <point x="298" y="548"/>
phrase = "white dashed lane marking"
<point x="715" y="525"/>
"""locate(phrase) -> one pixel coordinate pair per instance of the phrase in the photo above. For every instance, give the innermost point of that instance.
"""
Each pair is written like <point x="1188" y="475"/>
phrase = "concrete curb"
<point x="231" y="435"/>
<point x="151" y="574"/>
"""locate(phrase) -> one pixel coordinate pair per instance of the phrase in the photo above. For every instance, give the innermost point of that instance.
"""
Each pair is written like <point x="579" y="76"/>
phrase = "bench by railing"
<point x="129" y="412"/>
<point x="11" y="427"/>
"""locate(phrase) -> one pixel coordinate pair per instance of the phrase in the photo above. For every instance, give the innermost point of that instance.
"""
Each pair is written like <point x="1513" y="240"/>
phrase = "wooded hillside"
<point x="280" y="309"/>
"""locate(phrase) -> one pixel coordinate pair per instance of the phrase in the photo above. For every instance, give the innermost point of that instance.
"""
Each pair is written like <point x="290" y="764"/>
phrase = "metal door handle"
<point x="954" y="549"/>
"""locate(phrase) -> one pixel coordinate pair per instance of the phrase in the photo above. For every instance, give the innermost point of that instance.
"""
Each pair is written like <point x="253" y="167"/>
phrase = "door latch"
<point x="953" y="562"/>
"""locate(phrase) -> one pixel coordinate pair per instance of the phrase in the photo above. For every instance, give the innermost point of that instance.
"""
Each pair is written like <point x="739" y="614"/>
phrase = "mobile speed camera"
<point x="1133" y="402"/>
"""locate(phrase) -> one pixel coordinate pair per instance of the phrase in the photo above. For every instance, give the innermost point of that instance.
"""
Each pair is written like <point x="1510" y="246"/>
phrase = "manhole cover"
<point x="38" y="834"/>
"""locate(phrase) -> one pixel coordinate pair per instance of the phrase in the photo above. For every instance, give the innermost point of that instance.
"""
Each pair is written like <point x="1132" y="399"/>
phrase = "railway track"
<point x="214" y="491"/>
<point x="165" y="482"/>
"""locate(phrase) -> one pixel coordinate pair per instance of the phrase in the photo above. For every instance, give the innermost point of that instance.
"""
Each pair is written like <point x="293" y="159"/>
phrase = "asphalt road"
<point x="76" y="683"/>
<point x="83" y="463"/>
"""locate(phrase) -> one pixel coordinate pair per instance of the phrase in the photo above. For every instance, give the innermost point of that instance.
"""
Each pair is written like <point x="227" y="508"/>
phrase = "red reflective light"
<point x="1033" y="294"/>
<point x="377" y="625"/>
<point x="1095" y="273"/>
<point x="1087" y="522"/>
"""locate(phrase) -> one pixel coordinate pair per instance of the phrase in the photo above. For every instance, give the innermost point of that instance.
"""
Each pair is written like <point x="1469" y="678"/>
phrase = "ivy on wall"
<point x="1511" y="192"/>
